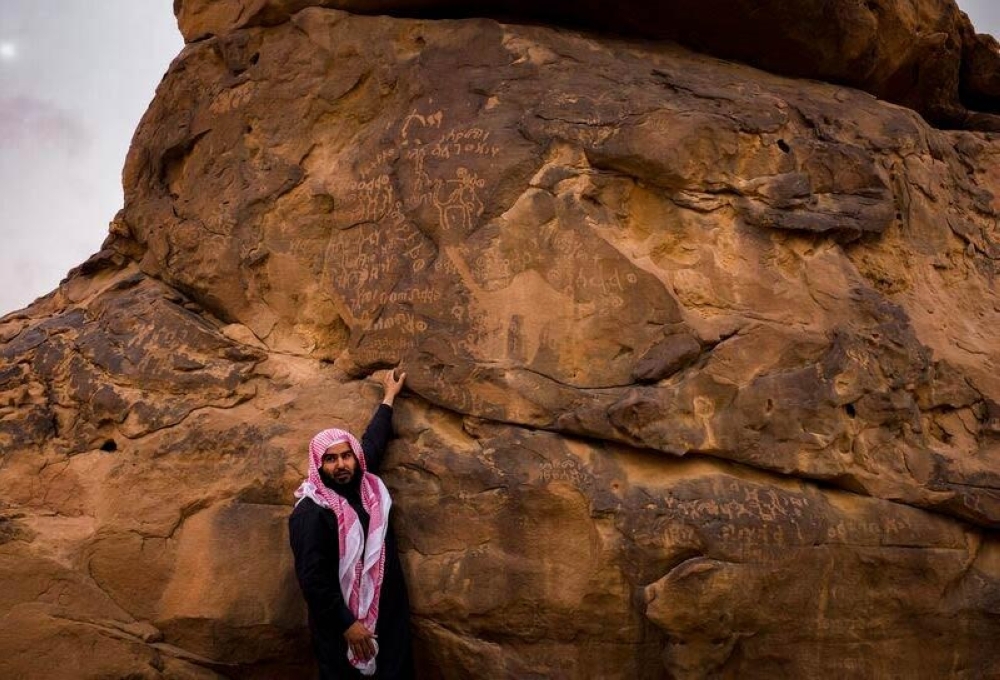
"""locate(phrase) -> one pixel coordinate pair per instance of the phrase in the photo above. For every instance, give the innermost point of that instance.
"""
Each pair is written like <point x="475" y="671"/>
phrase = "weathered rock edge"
<point x="924" y="55"/>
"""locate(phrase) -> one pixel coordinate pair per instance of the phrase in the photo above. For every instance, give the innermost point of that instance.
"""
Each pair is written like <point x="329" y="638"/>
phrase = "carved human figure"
<point x="458" y="201"/>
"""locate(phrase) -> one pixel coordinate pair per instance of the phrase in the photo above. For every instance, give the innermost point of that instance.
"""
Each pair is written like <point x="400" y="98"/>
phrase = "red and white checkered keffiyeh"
<point x="362" y="560"/>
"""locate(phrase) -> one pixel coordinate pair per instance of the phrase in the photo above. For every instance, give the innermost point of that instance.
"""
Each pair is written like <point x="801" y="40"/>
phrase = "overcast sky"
<point x="75" y="77"/>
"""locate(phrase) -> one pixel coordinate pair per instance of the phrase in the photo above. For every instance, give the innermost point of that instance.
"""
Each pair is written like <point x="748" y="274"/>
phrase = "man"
<point x="345" y="555"/>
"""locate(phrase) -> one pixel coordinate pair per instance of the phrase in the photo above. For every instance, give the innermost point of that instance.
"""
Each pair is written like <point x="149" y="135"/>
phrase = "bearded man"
<point x="345" y="556"/>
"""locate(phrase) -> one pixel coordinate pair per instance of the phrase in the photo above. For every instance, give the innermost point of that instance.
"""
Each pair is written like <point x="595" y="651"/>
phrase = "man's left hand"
<point x="392" y="385"/>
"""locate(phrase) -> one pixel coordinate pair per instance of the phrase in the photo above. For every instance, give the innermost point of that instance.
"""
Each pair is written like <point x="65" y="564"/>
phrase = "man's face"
<point x="339" y="463"/>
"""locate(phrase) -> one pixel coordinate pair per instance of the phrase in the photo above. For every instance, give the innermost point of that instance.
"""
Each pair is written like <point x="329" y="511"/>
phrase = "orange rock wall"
<point x="702" y="365"/>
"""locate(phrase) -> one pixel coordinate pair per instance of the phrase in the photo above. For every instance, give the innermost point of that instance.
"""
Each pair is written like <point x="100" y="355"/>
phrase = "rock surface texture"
<point x="923" y="54"/>
<point x="703" y="366"/>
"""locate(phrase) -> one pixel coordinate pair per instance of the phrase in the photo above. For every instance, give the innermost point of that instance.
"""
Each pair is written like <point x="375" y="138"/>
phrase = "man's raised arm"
<point x="379" y="430"/>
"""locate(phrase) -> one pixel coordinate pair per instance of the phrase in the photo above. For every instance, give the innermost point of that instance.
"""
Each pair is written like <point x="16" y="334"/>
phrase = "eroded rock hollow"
<point x="703" y="371"/>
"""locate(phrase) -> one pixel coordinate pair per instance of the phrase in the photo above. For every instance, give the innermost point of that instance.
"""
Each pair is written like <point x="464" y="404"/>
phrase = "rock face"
<point x="702" y="364"/>
<point x="923" y="54"/>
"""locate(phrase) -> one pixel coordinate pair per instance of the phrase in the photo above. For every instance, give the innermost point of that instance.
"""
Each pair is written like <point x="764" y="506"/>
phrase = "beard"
<point x="332" y="483"/>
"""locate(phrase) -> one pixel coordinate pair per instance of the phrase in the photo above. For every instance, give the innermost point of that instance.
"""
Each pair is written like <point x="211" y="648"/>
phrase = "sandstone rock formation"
<point x="703" y="372"/>
<point x="923" y="54"/>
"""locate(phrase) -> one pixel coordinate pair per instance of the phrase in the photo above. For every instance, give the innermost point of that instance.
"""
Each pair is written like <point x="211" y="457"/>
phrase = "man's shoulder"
<point x="305" y="509"/>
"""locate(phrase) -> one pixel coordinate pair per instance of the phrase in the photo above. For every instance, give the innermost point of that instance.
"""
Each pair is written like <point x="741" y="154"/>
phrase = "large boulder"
<point x="703" y="378"/>
<point x="924" y="54"/>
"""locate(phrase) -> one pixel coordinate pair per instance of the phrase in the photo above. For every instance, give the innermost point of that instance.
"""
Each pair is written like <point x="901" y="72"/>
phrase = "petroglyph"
<point x="457" y="201"/>
<point x="432" y="120"/>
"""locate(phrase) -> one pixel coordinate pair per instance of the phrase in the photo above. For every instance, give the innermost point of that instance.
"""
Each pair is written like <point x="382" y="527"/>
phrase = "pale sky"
<point x="75" y="77"/>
